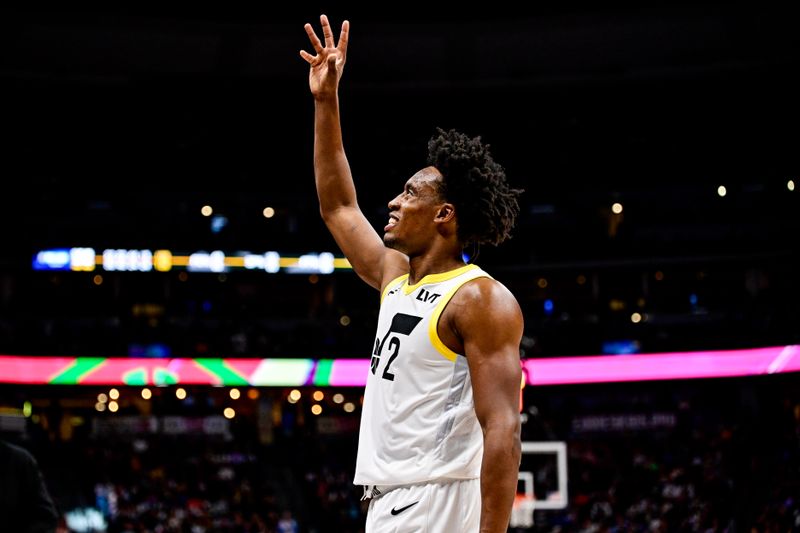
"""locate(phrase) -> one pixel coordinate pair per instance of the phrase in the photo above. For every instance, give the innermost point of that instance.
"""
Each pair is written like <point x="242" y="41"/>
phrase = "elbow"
<point x="514" y="437"/>
<point x="515" y="434"/>
<point x="326" y="213"/>
<point x="507" y="431"/>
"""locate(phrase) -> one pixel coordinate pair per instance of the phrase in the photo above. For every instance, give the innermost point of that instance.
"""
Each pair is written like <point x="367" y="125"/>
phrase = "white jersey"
<point x="418" y="421"/>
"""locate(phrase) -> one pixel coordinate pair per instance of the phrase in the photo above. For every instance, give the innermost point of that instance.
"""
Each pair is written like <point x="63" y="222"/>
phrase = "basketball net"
<point x="522" y="511"/>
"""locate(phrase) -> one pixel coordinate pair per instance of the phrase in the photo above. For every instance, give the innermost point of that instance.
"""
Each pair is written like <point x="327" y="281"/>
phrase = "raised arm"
<point x="360" y="243"/>
<point x="490" y="324"/>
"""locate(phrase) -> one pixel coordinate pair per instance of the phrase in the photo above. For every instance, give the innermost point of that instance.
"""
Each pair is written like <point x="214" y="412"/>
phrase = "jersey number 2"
<point x="402" y="324"/>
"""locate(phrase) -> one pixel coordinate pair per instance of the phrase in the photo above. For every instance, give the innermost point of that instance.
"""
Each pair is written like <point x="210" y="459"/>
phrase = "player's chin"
<point x="389" y="240"/>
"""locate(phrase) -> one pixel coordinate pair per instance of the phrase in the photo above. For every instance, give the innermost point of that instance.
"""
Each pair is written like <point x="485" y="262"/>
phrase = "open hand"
<point x="327" y="65"/>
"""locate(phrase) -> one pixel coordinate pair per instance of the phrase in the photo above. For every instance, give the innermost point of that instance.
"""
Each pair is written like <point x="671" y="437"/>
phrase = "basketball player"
<point x="439" y="445"/>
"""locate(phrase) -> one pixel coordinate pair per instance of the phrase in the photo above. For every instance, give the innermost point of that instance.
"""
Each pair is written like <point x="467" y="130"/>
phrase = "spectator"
<point x="25" y="503"/>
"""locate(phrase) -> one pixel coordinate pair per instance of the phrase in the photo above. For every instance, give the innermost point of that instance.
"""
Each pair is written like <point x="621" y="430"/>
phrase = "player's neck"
<point x="424" y="265"/>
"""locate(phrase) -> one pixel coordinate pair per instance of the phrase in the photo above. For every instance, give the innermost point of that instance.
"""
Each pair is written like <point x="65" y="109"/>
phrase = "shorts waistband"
<point x="373" y="491"/>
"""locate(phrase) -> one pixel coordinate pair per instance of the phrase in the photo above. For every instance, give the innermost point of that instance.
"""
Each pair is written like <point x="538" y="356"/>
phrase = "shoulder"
<point x="395" y="265"/>
<point x="485" y="291"/>
<point x="486" y="301"/>
<point x="16" y="453"/>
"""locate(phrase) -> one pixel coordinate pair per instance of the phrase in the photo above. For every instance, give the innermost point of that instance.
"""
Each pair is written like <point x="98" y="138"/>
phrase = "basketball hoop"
<point x="522" y="511"/>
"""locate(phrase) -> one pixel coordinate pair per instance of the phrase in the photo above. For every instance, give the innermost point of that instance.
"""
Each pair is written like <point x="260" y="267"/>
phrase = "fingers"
<point x="344" y="37"/>
<point x="326" y="31"/>
<point x="312" y="36"/>
<point x="308" y="57"/>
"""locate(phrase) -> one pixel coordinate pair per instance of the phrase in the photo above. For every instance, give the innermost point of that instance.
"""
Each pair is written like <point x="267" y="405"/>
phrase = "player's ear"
<point x="446" y="213"/>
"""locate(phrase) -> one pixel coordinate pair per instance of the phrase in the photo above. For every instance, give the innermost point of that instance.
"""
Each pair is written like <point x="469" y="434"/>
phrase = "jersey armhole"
<point x="433" y="325"/>
<point x="392" y="284"/>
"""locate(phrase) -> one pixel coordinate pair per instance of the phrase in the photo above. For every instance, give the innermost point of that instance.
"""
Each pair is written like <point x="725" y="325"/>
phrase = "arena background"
<point x="121" y="124"/>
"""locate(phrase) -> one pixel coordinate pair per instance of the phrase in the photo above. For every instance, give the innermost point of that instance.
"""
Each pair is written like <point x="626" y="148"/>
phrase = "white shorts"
<point x="437" y="507"/>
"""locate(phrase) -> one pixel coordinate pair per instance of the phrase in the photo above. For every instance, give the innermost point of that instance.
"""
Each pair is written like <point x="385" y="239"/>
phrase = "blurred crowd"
<point x="728" y="460"/>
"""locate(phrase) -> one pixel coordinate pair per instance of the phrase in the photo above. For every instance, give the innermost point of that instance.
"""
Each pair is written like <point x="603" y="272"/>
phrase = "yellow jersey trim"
<point x="436" y="278"/>
<point x="389" y="286"/>
<point x="433" y="325"/>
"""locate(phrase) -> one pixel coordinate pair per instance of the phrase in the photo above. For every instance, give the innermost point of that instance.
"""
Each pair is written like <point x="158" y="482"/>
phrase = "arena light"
<point x="54" y="259"/>
<point x="216" y="261"/>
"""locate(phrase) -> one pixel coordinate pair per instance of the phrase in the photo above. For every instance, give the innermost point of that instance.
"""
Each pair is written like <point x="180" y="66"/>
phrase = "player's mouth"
<point x="392" y="222"/>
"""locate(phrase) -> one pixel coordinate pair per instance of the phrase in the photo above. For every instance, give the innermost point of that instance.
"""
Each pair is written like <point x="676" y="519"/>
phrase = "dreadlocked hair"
<point x="486" y="206"/>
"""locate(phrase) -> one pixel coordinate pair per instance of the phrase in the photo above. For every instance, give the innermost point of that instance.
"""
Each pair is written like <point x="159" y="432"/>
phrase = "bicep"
<point x="371" y="259"/>
<point x="492" y="331"/>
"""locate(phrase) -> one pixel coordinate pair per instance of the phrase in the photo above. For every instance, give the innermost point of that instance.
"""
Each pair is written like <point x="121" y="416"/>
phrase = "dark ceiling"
<point x="119" y="124"/>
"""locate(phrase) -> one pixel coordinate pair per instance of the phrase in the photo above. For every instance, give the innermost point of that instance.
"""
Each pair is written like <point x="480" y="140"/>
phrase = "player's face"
<point x="411" y="213"/>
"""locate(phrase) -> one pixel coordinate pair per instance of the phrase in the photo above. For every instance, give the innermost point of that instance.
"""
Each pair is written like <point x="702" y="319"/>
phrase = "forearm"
<point x="499" y="471"/>
<point x="334" y="181"/>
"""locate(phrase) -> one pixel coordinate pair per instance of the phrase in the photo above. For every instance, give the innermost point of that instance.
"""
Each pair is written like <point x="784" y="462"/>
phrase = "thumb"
<point x="332" y="61"/>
